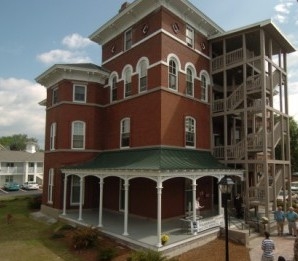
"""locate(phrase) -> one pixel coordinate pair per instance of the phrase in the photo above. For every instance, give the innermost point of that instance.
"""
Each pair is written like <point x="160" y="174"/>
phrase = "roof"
<point x="139" y="9"/>
<point x="20" y="156"/>
<point x="152" y="159"/>
<point x="75" y="71"/>
<point x="268" y="26"/>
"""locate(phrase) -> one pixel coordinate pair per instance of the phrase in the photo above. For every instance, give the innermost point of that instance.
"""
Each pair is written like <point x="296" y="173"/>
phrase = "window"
<point x="75" y="190"/>
<point x="172" y="75"/>
<point x="53" y="136"/>
<point x="50" y="186"/>
<point x="125" y="133"/>
<point x="79" y="93"/>
<point x="114" y="88"/>
<point x="189" y="36"/>
<point x="127" y="82"/>
<point x="189" y="82"/>
<point x="190" y="132"/>
<point x="128" y="39"/>
<point x="143" y="68"/>
<point x="204" y="89"/>
<point x="55" y="96"/>
<point x="78" y="135"/>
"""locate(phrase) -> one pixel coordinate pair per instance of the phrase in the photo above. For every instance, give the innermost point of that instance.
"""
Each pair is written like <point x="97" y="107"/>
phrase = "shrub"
<point x="107" y="254"/>
<point x="35" y="202"/>
<point x="83" y="238"/>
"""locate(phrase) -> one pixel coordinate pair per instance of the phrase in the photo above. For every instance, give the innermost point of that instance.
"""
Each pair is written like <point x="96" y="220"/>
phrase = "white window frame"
<point x="51" y="186"/>
<point x="143" y="75"/>
<point x="127" y="81"/>
<point x="128" y="39"/>
<point x="113" y="86"/>
<point x="78" y="132"/>
<point x="125" y="133"/>
<point x="189" y="36"/>
<point x="53" y="135"/>
<point x="189" y="81"/>
<point x="75" y="98"/>
<point x="205" y="82"/>
<point x="173" y="74"/>
<point x="55" y="96"/>
<point x="190" y="130"/>
<point x="76" y="184"/>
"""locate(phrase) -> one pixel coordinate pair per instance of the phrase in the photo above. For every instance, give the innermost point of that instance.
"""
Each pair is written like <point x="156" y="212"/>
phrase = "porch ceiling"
<point x="152" y="159"/>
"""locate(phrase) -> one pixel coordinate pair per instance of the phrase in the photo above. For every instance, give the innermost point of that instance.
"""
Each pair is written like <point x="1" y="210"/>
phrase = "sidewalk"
<point x="284" y="246"/>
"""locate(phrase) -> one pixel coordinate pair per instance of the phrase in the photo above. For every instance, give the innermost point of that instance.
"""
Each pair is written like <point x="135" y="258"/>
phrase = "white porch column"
<point x="159" y="192"/>
<point x="220" y="208"/>
<point x="126" y="186"/>
<point x="81" y="198"/>
<point x="194" y="200"/>
<point x="64" y="195"/>
<point x="101" y="182"/>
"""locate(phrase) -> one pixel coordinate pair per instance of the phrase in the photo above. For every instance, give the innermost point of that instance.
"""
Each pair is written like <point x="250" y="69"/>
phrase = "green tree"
<point x="294" y="144"/>
<point x="16" y="142"/>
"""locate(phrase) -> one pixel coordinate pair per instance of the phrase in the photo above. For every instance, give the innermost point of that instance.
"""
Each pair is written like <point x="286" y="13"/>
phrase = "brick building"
<point x="175" y="106"/>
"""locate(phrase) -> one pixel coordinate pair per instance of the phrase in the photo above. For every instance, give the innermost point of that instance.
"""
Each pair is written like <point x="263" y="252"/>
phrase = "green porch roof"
<point x="152" y="159"/>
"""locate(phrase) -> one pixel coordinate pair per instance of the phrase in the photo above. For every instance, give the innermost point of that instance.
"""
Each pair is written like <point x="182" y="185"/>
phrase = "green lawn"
<point x="25" y="238"/>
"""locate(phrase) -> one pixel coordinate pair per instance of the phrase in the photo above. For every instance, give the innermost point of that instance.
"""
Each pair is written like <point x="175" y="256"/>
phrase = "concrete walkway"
<point x="284" y="246"/>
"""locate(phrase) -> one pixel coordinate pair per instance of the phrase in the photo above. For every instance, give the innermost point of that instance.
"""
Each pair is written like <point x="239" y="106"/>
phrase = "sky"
<point x="35" y="34"/>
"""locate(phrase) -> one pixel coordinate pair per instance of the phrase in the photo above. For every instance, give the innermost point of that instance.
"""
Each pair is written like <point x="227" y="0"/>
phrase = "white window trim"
<point x="55" y="90"/>
<point x="127" y="69"/>
<point x="190" y="36"/>
<point x="125" y="39"/>
<point x="84" y="134"/>
<point x="121" y="132"/>
<point x="205" y="74"/>
<point x="74" y="93"/>
<point x="53" y="135"/>
<point x="192" y="80"/>
<point x="194" y="132"/>
<point x="50" y="186"/>
<point x="71" y="191"/>
<point x="139" y="66"/>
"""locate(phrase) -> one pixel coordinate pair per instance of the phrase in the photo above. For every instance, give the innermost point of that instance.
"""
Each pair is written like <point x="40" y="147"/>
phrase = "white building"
<point x="21" y="166"/>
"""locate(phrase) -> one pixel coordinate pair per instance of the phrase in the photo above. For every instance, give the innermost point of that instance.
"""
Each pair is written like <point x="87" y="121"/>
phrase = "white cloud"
<point x="75" y="51"/>
<point x="63" y="56"/>
<point x="19" y="108"/>
<point x="76" y="41"/>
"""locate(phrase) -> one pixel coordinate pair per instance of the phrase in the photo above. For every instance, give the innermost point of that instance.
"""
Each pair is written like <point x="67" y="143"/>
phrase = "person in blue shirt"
<point x="280" y="217"/>
<point x="292" y="216"/>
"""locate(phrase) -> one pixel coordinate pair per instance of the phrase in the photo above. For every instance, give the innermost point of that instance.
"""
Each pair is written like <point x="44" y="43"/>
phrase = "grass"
<point x="25" y="238"/>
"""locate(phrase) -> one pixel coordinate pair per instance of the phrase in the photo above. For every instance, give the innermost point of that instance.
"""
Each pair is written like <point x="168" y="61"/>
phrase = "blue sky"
<point x="35" y="34"/>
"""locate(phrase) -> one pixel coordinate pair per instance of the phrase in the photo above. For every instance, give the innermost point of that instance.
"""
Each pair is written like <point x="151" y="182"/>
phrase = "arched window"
<point x="125" y="133"/>
<point x="190" y="131"/>
<point x="127" y="82"/>
<point x="113" y="86"/>
<point x="205" y="81"/>
<point x="189" y="82"/>
<point x="173" y="74"/>
<point x="143" y="71"/>
<point x="78" y="135"/>
<point x="53" y="135"/>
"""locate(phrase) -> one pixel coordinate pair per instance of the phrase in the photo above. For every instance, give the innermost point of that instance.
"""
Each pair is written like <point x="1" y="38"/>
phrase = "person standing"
<point x="267" y="247"/>
<point x="238" y="201"/>
<point x="292" y="216"/>
<point x="279" y="217"/>
<point x="198" y="207"/>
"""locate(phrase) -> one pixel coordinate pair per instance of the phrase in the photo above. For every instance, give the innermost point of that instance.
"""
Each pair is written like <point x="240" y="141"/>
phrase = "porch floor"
<point x="142" y="232"/>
